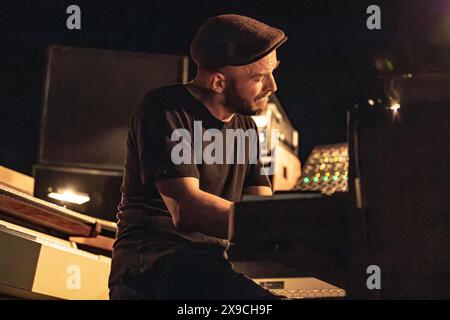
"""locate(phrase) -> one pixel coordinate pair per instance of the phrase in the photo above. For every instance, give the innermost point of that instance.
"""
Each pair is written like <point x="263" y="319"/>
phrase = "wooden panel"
<point x="42" y="217"/>
<point x="16" y="180"/>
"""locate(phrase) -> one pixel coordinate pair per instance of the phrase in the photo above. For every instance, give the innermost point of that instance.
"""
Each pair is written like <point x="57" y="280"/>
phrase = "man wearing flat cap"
<point x="172" y="220"/>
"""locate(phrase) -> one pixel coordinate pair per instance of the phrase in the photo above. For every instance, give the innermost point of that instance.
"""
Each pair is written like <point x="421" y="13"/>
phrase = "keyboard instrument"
<point x="24" y="207"/>
<point x="301" y="288"/>
<point x="35" y="265"/>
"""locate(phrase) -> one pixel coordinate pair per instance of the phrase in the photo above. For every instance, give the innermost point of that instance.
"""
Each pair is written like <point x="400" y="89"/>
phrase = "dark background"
<point x="327" y="64"/>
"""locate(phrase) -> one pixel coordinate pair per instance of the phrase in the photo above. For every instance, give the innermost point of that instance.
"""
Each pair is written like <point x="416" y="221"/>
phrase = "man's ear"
<point x="217" y="82"/>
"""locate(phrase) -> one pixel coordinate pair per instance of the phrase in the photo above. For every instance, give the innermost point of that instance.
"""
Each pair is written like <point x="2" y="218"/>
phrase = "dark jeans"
<point x="190" y="274"/>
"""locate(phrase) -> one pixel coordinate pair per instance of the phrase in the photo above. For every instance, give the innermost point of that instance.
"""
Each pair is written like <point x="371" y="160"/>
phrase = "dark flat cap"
<point x="234" y="40"/>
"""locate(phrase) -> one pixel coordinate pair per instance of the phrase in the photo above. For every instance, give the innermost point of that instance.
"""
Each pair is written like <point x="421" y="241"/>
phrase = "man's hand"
<point x="193" y="209"/>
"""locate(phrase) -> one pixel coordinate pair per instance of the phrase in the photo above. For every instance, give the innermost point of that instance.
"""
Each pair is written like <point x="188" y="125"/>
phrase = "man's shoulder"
<point x="168" y="104"/>
<point x="169" y="98"/>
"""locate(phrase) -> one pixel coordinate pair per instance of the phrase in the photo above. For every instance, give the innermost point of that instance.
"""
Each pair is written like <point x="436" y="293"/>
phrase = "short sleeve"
<point x="256" y="175"/>
<point x="154" y="125"/>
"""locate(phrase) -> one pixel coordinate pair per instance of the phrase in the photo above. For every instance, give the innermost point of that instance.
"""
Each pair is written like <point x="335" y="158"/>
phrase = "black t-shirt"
<point x="144" y="220"/>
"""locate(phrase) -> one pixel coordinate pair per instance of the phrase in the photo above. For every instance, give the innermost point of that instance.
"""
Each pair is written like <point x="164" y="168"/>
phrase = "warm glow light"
<point x="70" y="196"/>
<point x="395" y="106"/>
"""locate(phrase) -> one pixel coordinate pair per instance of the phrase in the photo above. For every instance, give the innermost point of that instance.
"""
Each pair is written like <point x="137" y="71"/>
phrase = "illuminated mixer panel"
<point x="325" y="170"/>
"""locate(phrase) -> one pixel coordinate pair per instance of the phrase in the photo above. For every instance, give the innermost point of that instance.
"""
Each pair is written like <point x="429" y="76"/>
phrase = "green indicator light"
<point x="335" y="178"/>
<point x="345" y="177"/>
<point x="325" y="178"/>
<point x="316" y="179"/>
<point x="306" y="180"/>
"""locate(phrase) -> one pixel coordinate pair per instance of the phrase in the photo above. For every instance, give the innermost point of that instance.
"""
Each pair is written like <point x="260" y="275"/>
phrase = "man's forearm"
<point x="207" y="213"/>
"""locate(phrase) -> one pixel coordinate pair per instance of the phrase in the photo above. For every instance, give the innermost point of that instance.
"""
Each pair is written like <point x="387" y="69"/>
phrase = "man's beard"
<point x="242" y="106"/>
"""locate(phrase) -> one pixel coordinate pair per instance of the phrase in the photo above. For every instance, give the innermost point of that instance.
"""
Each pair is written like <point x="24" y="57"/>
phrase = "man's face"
<point x="249" y="87"/>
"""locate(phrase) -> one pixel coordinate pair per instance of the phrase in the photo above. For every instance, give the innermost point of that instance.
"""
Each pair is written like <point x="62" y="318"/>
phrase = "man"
<point x="173" y="215"/>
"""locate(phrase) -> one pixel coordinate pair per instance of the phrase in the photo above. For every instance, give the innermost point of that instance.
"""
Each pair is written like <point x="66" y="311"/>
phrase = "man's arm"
<point x="193" y="209"/>
<point x="258" y="190"/>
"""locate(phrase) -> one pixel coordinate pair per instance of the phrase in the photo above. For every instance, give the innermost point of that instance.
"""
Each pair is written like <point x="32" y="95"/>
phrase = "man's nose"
<point x="271" y="84"/>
